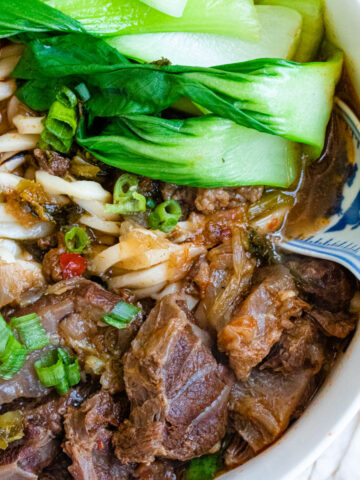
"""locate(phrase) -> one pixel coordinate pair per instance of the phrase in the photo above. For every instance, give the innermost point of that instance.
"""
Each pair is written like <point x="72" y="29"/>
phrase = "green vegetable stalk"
<point x="202" y="152"/>
<point x="270" y="95"/>
<point x="101" y="17"/>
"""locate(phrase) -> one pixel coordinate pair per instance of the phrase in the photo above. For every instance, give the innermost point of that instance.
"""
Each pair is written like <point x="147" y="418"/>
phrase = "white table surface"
<point x="341" y="461"/>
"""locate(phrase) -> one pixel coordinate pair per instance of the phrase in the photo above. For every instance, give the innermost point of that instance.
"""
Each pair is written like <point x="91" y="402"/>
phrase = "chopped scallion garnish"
<point x="76" y="240"/>
<point x="165" y="216"/>
<point x="121" y="315"/>
<point x="30" y="331"/>
<point x="125" y="183"/>
<point x="67" y="97"/>
<point x="83" y="92"/>
<point x="58" y="369"/>
<point x="126" y="198"/>
<point x="133" y="202"/>
<point x="12" y="353"/>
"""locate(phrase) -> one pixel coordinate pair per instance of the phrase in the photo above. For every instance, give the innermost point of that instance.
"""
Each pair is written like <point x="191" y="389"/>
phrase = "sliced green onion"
<point x="12" y="353"/>
<point x="11" y="428"/>
<point x="132" y="202"/>
<point x="125" y="183"/>
<point x="61" y="121"/>
<point x="5" y="333"/>
<point x="58" y="369"/>
<point x="121" y="315"/>
<point x="30" y="331"/>
<point x="83" y="92"/>
<point x="49" y="141"/>
<point x="76" y="240"/>
<point x="72" y="369"/>
<point x="67" y="97"/>
<point x="50" y="369"/>
<point x="165" y="216"/>
<point x="150" y="202"/>
<point x="12" y="358"/>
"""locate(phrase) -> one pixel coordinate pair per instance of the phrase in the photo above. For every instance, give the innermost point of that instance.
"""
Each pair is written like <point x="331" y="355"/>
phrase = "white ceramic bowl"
<point x="339" y="399"/>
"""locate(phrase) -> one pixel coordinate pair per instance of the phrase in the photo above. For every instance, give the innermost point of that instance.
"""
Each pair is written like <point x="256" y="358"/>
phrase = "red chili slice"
<point x="72" y="265"/>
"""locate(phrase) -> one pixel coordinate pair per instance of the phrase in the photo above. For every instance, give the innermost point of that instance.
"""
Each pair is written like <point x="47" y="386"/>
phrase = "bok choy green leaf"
<point x="270" y="95"/>
<point x="32" y="16"/>
<point x="103" y="17"/>
<point x="202" y="152"/>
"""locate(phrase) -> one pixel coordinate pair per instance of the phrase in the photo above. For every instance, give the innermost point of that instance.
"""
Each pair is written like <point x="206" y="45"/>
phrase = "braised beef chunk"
<point x="52" y="162"/>
<point x="58" y="469"/>
<point x="298" y="347"/>
<point x="326" y="284"/>
<point x="159" y="470"/>
<point x="70" y="312"/>
<point x="88" y="440"/>
<point x="338" y="324"/>
<point x="26" y="458"/>
<point x="237" y="452"/>
<point x="211" y="200"/>
<point x="261" y="407"/>
<point x="259" y="322"/>
<point x="178" y="392"/>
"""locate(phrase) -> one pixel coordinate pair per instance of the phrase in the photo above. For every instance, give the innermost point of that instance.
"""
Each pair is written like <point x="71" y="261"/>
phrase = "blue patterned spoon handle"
<point x="339" y="241"/>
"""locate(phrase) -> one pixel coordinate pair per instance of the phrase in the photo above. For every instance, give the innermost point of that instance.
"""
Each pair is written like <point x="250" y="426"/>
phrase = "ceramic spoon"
<point x="339" y="241"/>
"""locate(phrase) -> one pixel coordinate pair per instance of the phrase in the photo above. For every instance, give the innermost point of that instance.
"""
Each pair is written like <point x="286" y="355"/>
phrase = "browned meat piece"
<point x="160" y="470"/>
<point x="231" y="268"/>
<point x="326" y="284"/>
<point x="338" y="324"/>
<point x="52" y="162"/>
<point x="211" y="200"/>
<point x="184" y="195"/>
<point x="238" y="452"/>
<point x="262" y="406"/>
<point x="88" y="440"/>
<point x="300" y="346"/>
<point x="260" y="321"/>
<point x="51" y="261"/>
<point x="26" y="458"/>
<point x="70" y="312"/>
<point x="178" y="392"/>
<point x="58" y="470"/>
<point x="51" y="241"/>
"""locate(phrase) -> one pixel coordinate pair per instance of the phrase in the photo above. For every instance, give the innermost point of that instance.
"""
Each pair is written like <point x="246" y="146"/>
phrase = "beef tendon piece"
<point x="260" y="321"/>
<point x="178" y="392"/>
<point x="88" y="440"/>
<point x="52" y="162"/>
<point x="338" y="324"/>
<point x="261" y="407"/>
<point x="325" y="284"/>
<point x="160" y="470"/>
<point x="300" y="346"/>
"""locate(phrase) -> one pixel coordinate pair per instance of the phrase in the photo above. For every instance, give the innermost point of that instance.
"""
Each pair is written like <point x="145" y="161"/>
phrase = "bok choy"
<point x="101" y="17"/>
<point x="202" y="152"/>
<point x="279" y="38"/>
<point x="313" y="25"/>
<point x="32" y="16"/>
<point x="270" y="95"/>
